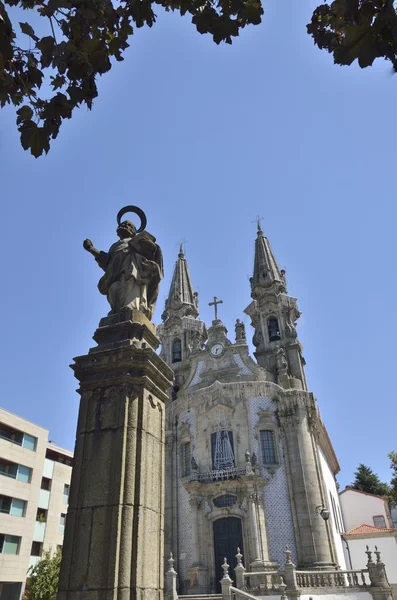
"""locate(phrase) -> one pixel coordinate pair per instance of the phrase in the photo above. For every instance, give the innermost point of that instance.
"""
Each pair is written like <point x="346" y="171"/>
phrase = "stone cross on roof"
<point x="215" y="305"/>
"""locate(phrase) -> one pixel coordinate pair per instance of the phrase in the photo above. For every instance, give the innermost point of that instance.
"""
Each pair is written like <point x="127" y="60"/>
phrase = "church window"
<point x="222" y="450"/>
<point x="186" y="459"/>
<point x="336" y="514"/>
<point x="176" y="350"/>
<point x="273" y="329"/>
<point x="379" y="521"/>
<point x="225" y="500"/>
<point x="268" y="447"/>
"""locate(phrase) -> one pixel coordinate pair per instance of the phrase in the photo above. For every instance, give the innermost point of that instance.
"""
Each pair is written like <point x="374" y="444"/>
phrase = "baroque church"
<point x="249" y="463"/>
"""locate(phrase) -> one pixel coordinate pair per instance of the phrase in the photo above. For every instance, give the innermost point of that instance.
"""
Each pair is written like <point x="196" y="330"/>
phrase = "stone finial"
<point x="369" y="554"/>
<point x="377" y="554"/>
<point x="225" y="568"/>
<point x="287" y="553"/>
<point x="239" y="556"/>
<point x="171" y="562"/>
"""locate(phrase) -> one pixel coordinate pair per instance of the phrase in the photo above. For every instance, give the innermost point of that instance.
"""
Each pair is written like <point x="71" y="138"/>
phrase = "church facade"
<point x="249" y="463"/>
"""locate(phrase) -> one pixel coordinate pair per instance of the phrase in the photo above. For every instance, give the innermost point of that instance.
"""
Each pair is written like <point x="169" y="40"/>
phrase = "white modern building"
<point x="34" y="489"/>
<point x="368" y="522"/>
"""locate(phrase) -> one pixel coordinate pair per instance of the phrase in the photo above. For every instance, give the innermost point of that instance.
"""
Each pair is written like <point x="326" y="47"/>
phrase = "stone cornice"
<point x="130" y="365"/>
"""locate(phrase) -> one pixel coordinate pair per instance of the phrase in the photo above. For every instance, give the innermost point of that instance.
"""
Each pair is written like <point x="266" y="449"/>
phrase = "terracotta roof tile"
<point x="369" y="529"/>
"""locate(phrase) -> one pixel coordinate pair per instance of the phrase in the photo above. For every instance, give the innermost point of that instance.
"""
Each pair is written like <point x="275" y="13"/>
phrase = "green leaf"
<point x="28" y="30"/>
<point x="46" y="45"/>
<point x="58" y="81"/>
<point x="24" y="114"/>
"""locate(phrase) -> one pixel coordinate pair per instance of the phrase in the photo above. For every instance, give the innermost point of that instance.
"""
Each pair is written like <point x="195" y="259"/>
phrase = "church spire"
<point x="273" y="315"/>
<point x="266" y="269"/>
<point x="182" y="298"/>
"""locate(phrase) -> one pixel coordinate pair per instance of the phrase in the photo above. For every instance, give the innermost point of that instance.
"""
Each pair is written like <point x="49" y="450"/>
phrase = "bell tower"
<point x="181" y="332"/>
<point x="273" y="315"/>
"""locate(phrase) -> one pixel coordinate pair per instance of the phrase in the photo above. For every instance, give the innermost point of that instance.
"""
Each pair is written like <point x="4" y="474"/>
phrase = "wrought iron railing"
<point x="218" y="474"/>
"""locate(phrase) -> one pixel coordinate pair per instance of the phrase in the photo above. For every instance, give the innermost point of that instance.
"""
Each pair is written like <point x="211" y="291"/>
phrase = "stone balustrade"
<point x="337" y="578"/>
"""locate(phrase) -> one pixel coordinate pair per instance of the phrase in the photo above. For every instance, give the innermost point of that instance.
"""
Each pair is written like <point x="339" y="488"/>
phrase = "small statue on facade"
<point x="247" y="456"/>
<point x="193" y="464"/>
<point x="284" y="277"/>
<point x="254" y="460"/>
<point x="282" y="364"/>
<point x="133" y="267"/>
<point x="240" y="332"/>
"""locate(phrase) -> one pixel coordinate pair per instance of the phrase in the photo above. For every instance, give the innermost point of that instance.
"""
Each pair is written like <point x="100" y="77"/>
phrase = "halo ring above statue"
<point x="134" y="209"/>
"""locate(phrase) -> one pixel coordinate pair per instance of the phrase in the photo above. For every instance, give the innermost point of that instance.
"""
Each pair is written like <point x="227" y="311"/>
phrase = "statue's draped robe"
<point x="133" y="271"/>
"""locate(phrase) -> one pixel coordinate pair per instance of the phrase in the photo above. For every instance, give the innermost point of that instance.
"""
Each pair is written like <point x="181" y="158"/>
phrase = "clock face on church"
<point x="217" y="349"/>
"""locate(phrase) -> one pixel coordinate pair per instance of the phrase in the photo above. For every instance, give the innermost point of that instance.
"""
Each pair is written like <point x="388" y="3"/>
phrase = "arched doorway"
<point x="228" y="536"/>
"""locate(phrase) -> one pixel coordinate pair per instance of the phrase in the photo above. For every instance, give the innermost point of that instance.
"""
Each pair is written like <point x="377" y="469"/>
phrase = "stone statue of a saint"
<point x="133" y="267"/>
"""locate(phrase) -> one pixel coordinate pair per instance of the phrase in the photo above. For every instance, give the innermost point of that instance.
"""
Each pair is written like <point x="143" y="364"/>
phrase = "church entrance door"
<point x="228" y="536"/>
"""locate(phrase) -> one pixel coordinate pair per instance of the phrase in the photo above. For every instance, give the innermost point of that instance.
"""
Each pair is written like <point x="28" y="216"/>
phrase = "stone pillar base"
<point x="198" y="580"/>
<point x="114" y="536"/>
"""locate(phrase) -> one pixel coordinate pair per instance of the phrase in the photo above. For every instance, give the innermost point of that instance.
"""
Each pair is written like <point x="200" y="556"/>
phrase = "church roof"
<point x="366" y="530"/>
<point x="181" y="295"/>
<point x="266" y="269"/>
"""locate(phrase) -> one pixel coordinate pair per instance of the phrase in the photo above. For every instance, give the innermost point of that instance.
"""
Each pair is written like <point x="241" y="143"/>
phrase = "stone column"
<point x="195" y="504"/>
<point x="197" y="573"/>
<point x="257" y="525"/>
<point x="254" y="534"/>
<point x="114" y="536"/>
<point x="311" y="531"/>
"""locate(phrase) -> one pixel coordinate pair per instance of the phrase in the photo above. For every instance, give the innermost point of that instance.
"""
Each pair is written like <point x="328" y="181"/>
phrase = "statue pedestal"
<point x="114" y="535"/>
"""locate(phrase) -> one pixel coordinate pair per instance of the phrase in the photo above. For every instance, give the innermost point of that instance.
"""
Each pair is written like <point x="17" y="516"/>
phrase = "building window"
<point x="186" y="459"/>
<point x="224" y="501"/>
<point x="379" y="521"/>
<point x="12" y="506"/>
<point x="268" y="447"/>
<point x="17" y="437"/>
<point x="336" y="514"/>
<point x="62" y="523"/>
<point x="46" y="484"/>
<point x="41" y="515"/>
<point x="9" y="544"/>
<point x="37" y="548"/>
<point x="222" y="449"/>
<point x="176" y="350"/>
<point x="15" y="471"/>
<point x="273" y="329"/>
<point x="58" y="457"/>
<point x="65" y="497"/>
<point x="29" y="442"/>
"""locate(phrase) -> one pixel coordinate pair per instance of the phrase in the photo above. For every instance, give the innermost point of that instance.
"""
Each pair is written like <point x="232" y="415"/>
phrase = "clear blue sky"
<point x="204" y="138"/>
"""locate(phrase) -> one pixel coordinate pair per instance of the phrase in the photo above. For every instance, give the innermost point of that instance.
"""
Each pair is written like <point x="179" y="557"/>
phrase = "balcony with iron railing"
<point x="214" y="475"/>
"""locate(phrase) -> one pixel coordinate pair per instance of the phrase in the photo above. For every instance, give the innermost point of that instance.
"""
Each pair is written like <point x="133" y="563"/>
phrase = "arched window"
<point x="176" y="350"/>
<point x="273" y="329"/>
